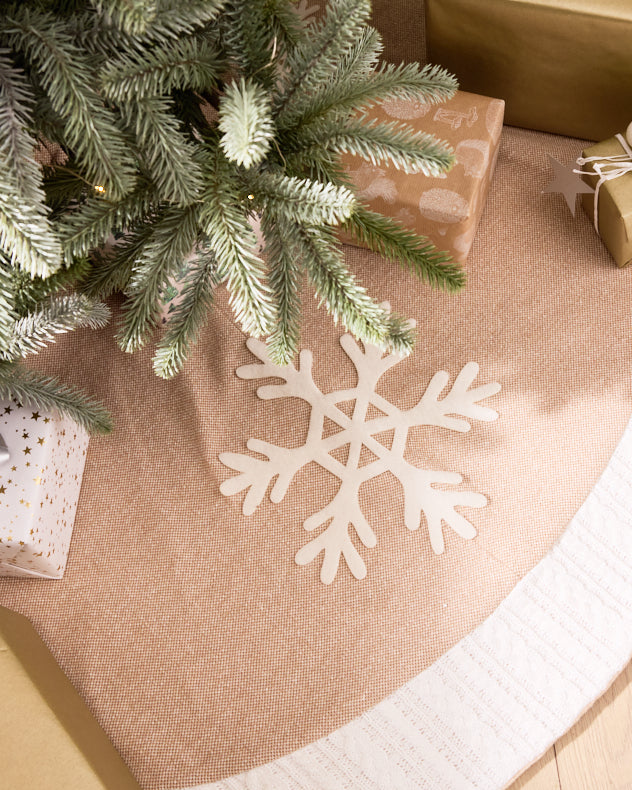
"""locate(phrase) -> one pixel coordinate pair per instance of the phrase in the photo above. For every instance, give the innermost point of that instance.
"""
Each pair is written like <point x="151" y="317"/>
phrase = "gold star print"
<point x="25" y="435"/>
<point x="3" y="490"/>
<point x="46" y="420"/>
<point x="27" y="451"/>
<point x="36" y="416"/>
<point x="41" y="440"/>
<point x="7" y="410"/>
<point x="14" y="469"/>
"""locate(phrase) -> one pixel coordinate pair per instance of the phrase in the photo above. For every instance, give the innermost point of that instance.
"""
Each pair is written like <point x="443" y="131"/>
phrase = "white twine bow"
<point x="607" y="168"/>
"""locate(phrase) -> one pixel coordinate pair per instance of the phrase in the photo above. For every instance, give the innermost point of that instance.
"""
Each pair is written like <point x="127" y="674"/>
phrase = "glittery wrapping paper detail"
<point x="39" y="489"/>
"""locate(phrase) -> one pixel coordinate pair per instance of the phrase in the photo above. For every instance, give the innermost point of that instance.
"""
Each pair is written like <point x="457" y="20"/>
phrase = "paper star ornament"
<point x="567" y="182"/>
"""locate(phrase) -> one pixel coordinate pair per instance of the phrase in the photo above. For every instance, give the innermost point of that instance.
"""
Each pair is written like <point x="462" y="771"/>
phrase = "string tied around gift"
<point x="607" y="168"/>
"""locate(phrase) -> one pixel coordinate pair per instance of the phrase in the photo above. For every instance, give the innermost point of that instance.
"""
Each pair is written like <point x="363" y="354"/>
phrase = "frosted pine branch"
<point x="385" y="143"/>
<point x="303" y="200"/>
<point x="246" y="123"/>
<point x="37" y="329"/>
<point x="188" y="64"/>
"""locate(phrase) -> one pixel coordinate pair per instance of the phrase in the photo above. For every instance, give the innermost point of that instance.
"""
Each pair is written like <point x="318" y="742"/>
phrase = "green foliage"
<point x="44" y="392"/>
<point x="188" y="315"/>
<point x="245" y="123"/>
<point x="33" y="310"/>
<point x="283" y="251"/>
<point x="64" y="73"/>
<point x="173" y="237"/>
<point x="388" y="238"/>
<point x="196" y="145"/>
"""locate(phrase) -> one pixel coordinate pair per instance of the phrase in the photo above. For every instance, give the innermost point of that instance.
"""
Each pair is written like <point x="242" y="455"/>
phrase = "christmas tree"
<point x="177" y="129"/>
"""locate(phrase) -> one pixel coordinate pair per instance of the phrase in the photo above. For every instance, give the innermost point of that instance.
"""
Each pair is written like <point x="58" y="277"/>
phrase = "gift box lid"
<point x="563" y="66"/>
<point x="606" y="8"/>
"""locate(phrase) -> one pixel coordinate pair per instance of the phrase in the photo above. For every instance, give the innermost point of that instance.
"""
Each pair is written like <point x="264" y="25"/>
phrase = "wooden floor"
<point x="596" y="754"/>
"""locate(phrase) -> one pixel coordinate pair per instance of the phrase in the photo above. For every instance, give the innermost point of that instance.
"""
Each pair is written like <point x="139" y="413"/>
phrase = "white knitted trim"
<point x="497" y="700"/>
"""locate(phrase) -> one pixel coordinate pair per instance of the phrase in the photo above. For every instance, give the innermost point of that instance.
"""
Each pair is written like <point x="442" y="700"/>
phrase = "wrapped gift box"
<point x="49" y="740"/>
<point x="446" y="209"/>
<point x="562" y="66"/>
<point x="614" y="201"/>
<point x="39" y="489"/>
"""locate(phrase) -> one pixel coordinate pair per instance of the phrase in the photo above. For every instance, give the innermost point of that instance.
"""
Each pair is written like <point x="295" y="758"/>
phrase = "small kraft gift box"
<point x="562" y="66"/>
<point x="40" y="479"/>
<point x="49" y="740"/>
<point x="607" y="168"/>
<point x="445" y="209"/>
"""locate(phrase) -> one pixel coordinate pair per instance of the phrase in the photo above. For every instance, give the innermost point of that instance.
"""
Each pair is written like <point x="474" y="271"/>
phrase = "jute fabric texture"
<point x="197" y="642"/>
<point x="491" y="705"/>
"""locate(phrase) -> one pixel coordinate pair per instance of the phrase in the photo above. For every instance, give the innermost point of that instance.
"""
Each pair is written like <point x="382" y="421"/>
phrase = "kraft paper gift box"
<point x="39" y="489"/>
<point x="614" y="197"/>
<point x="49" y="740"/>
<point x="446" y="209"/>
<point x="562" y="66"/>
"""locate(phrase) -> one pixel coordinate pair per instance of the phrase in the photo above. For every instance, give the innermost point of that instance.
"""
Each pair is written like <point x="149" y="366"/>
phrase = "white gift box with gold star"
<point x="39" y="490"/>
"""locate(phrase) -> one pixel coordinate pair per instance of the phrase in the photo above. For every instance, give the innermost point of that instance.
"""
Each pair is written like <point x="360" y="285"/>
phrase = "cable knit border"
<point x="497" y="700"/>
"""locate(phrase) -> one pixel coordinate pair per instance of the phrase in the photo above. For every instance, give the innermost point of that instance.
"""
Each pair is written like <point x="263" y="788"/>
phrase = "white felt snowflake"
<point x="436" y="505"/>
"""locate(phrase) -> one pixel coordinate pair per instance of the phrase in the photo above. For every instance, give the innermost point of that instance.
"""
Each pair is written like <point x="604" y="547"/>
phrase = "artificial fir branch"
<point x="316" y="58"/>
<point x="7" y="307"/>
<point x="112" y="266"/>
<point x="166" y="154"/>
<point x="349" y="90"/>
<point x="380" y="143"/>
<point x="305" y="200"/>
<point x="16" y="144"/>
<point x="246" y="123"/>
<point x="44" y="392"/>
<point x="188" y="315"/>
<point x="181" y="126"/>
<point x="65" y="73"/>
<point x="90" y="226"/>
<point x="283" y="252"/>
<point x="172" y="239"/>
<point x="387" y="237"/>
<point x="29" y="292"/>
<point x="337" y="288"/>
<point x="129" y="16"/>
<point x="37" y="329"/>
<point x="190" y="64"/>
<point x="230" y="236"/>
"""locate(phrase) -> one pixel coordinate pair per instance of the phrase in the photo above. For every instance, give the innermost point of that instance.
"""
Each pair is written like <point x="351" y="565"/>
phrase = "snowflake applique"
<point x="281" y="464"/>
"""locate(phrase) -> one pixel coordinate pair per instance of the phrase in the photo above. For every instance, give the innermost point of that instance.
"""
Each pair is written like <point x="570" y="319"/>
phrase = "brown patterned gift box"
<point x="49" y="740"/>
<point x="39" y="489"/>
<point x="446" y="209"/>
